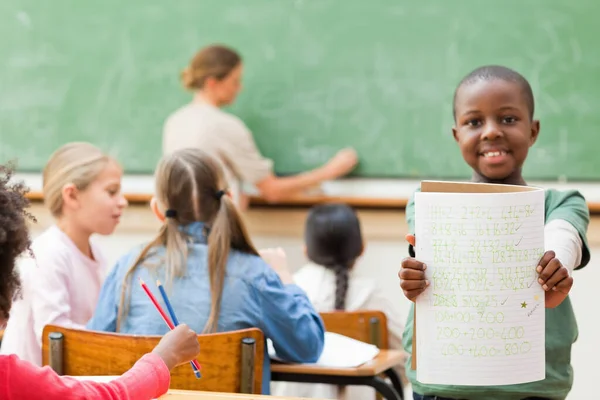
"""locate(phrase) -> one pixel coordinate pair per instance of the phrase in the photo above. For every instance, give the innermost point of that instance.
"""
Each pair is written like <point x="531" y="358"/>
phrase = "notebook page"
<point x="482" y="319"/>
<point x="339" y="351"/>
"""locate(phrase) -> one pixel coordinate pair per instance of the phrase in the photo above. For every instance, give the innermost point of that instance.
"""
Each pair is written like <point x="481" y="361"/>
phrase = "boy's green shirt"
<point x="561" y="326"/>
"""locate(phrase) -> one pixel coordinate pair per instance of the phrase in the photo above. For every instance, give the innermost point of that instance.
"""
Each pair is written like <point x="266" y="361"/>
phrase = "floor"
<point x="384" y="232"/>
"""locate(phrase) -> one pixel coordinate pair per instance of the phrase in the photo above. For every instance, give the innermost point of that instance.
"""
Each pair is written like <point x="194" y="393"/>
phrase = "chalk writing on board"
<point x="484" y="308"/>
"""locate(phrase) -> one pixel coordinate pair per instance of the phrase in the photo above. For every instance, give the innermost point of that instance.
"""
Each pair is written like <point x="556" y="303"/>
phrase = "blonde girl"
<point x="216" y="279"/>
<point x="82" y="191"/>
<point x="214" y="76"/>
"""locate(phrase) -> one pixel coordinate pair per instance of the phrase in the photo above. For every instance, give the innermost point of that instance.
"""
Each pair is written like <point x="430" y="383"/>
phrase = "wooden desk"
<point x="194" y="395"/>
<point x="366" y="374"/>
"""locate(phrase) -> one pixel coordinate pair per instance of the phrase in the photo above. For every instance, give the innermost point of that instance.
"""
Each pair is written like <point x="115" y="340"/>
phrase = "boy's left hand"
<point x="554" y="278"/>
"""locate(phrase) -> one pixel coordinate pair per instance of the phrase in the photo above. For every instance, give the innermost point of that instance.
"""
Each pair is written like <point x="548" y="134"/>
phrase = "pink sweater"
<point x="61" y="287"/>
<point x="149" y="378"/>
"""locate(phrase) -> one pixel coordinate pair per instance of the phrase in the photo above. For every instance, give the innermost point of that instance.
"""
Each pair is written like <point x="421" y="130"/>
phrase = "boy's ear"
<point x="454" y="133"/>
<point x="535" y="131"/>
<point x="155" y="209"/>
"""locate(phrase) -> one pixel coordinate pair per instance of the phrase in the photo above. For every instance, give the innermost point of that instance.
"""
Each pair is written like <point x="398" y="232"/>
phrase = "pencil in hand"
<point x="195" y="364"/>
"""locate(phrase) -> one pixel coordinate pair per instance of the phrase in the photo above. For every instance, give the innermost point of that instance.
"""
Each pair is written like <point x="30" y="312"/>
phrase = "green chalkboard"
<point x="319" y="75"/>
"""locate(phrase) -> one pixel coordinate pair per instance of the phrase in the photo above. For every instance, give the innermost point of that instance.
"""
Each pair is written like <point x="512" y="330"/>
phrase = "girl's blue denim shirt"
<point x="253" y="296"/>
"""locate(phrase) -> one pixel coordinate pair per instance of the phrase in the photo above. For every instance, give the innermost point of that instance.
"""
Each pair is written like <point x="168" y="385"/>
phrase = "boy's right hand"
<point x="412" y="275"/>
<point x="178" y="346"/>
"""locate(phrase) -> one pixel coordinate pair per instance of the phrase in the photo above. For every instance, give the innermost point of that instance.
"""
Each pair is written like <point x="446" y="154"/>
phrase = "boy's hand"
<point x="178" y="346"/>
<point x="412" y="275"/>
<point x="554" y="278"/>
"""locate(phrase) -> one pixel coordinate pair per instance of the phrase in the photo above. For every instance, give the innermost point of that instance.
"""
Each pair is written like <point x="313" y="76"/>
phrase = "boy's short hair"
<point x="497" y="72"/>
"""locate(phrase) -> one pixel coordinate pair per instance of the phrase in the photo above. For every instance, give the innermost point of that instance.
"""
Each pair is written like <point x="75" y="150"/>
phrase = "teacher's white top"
<point x="222" y="135"/>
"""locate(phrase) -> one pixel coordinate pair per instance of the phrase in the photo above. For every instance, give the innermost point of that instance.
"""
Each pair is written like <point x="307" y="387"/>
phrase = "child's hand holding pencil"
<point x="178" y="346"/>
<point x="172" y="324"/>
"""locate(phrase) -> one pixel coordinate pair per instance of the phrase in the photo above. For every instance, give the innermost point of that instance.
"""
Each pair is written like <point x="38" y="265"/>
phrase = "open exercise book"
<point x="481" y="321"/>
<point x="338" y="352"/>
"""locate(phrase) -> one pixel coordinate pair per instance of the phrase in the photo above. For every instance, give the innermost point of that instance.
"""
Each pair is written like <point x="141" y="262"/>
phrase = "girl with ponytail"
<point x="215" y="277"/>
<point x="333" y="245"/>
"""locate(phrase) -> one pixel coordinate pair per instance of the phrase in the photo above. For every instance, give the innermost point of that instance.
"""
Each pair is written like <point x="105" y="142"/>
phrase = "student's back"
<point x="333" y="238"/>
<point x="201" y="125"/>
<point x="363" y="293"/>
<point x="250" y="286"/>
<point x="222" y="286"/>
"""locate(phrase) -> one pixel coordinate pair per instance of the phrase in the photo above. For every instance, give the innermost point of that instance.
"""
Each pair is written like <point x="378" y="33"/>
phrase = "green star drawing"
<point x="524" y="304"/>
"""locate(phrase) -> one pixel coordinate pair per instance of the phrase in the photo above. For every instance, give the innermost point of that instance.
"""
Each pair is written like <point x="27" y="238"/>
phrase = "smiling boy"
<point x="495" y="128"/>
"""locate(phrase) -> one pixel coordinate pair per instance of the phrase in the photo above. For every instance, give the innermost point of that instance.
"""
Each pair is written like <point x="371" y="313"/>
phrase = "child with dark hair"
<point x="334" y="241"/>
<point x="333" y="245"/>
<point x="148" y="378"/>
<point x="494" y="127"/>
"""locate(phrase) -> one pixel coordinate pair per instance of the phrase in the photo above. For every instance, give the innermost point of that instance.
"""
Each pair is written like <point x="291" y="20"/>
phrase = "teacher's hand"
<point x="342" y="163"/>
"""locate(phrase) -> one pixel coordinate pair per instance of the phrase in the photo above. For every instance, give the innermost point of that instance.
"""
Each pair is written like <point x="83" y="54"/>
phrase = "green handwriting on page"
<point x="482" y="319"/>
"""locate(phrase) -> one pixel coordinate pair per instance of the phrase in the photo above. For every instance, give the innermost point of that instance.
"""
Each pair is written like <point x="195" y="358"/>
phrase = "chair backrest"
<point x="231" y="361"/>
<point x="369" y="326"/>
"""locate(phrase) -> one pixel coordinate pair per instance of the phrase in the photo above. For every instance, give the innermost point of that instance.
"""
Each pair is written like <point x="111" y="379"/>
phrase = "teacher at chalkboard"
<point x="214" y="75"/>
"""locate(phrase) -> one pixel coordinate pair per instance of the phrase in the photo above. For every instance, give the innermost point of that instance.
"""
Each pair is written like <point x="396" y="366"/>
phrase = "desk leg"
<point x="396" y="382"/>
<point x="386" y="390"/>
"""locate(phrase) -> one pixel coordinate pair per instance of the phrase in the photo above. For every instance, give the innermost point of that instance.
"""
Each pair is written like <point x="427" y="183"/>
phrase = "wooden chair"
<point x="369" y="326"/>
<point x="231" y="361"/>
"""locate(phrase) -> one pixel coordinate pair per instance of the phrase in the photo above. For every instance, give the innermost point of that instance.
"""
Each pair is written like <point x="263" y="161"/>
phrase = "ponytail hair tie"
<point x="219" y="194"/>
<point x="170" y="213"/>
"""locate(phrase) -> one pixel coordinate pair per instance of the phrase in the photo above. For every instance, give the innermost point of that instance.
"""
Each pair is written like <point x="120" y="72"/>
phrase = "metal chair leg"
<point x="55" y="356"/>
<point x="247" y="370"/>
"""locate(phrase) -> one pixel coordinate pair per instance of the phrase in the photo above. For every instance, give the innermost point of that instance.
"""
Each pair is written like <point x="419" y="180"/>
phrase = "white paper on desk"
<point x="482" y="319"/>
<point x="338" y="352"/>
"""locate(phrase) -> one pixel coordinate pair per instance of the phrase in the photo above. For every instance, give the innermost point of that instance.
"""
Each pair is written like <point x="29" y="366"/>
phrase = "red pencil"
<point x="163" y="315"/>
<point x="158" y="307"/>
